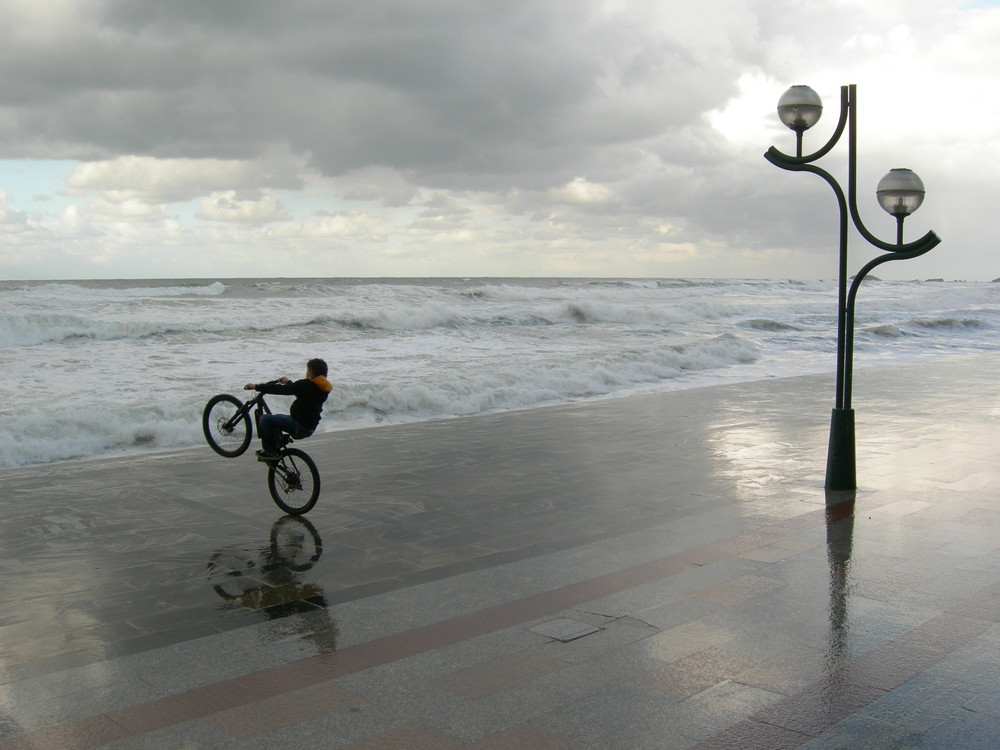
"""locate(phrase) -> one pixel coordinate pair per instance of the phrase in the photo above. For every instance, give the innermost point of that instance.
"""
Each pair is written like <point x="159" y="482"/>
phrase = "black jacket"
<point x="309" y="398"/>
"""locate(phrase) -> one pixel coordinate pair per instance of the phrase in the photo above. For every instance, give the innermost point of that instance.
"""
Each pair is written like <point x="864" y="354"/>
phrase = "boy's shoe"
<point x="267" y="457"/>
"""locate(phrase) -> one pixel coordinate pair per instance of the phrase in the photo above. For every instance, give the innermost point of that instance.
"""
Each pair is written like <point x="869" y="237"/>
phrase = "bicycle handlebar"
<point x="253" y="386"/>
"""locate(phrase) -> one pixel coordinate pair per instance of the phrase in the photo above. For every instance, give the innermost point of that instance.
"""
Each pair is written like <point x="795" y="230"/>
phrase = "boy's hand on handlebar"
<point x="253" y="386"/>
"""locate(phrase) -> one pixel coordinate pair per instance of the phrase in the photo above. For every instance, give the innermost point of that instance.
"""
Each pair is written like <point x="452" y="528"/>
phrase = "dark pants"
<point x="271" y="427"/>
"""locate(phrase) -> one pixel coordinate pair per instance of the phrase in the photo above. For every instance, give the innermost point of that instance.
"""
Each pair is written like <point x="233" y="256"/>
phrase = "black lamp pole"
<point x="900" y="193"/>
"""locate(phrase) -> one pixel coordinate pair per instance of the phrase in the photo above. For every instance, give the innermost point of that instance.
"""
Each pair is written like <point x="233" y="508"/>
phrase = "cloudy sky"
<point x="224" y="138"/>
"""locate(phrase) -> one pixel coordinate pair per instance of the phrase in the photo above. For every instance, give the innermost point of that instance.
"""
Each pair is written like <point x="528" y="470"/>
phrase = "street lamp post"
<point x="900" y="193"/>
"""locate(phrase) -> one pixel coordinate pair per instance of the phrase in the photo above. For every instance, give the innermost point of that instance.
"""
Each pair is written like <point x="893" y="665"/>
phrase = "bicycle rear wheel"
<point x="228" y="437"/>
<point x="294" y="482"/>
<point x="295" y="543"/>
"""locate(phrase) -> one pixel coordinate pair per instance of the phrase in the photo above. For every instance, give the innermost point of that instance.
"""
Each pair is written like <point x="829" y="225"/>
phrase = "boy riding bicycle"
<point x="310" y="394"/>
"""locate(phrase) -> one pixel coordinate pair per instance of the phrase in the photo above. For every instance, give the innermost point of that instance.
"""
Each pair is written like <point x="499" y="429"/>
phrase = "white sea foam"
<point x="117" y="366"/>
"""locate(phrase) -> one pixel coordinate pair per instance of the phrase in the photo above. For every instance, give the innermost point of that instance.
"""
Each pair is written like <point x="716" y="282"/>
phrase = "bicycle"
<point x="292" y="478"/>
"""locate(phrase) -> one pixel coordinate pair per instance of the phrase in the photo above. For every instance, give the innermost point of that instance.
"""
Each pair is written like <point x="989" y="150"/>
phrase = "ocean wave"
<point x="933" y="297"/>
<point x="626" y="283"/>
<point x="766" y="324"/>
<point x="43" y="328"/>
<point x="88" y="431"/>
<point x="52" y="328"/>
<point x="887" y="331"/>
<point x="950" y="323"/>
<point x="79" y="292"/>
<point x="585" y="291"/>
<point x="544" y="382"/>
<point x="402" y="318"/>
<point x="105" y="426"/>
<point x="597" y="312"/>
<point x="442" y="315"/>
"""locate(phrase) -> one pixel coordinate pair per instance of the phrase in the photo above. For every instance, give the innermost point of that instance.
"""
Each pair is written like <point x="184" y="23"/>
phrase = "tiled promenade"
<point x="654" y="572"/>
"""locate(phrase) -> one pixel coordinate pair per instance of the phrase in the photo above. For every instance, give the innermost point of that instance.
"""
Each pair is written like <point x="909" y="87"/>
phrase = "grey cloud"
<point x="457" y="94"/>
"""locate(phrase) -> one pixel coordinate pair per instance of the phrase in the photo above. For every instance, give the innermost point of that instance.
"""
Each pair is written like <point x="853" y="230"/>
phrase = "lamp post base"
<point x="840" y="458"/>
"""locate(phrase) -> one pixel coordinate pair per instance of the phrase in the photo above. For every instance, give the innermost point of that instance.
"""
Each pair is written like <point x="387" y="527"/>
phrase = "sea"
<point x="98" y="368"/>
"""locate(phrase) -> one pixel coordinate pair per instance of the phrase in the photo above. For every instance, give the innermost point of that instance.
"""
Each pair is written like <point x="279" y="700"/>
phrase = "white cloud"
<point x="124" y="209"/>
<point x="580" y="190"/>
<point x="252" y="207"/>
<point x="154" y="180"/>
<point x="361" y="225"/>
<point x="73" y="223"/>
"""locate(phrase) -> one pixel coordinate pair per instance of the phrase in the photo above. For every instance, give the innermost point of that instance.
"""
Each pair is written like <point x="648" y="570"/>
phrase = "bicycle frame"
<point x="259" y="406"/>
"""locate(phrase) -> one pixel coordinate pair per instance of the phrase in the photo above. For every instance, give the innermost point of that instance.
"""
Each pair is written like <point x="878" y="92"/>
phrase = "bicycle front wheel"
<point x="228" y="434"/>
<point x="294" y="482"/>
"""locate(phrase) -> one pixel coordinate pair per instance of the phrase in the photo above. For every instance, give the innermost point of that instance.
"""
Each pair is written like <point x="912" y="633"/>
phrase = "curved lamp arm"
<point x="852" y="193"/>
<point x="793" y="164"/>
<point x="899" y="252"/>
<point x="797" y="164"/>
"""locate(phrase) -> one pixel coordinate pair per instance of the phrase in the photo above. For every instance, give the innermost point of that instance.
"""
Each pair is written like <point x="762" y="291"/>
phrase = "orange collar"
<point x="323" y="383"/>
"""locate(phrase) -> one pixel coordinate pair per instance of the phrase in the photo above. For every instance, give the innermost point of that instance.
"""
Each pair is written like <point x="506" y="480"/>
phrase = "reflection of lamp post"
<point x="839" y="546"/>
<point x="900" y="193"/>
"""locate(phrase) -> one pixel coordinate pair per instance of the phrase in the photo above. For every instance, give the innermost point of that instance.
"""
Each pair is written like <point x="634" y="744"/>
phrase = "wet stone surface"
<point x="658" y="571"/>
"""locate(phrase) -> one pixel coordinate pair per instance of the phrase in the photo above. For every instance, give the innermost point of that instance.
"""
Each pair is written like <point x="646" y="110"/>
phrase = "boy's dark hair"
<point x="318" y="367"/>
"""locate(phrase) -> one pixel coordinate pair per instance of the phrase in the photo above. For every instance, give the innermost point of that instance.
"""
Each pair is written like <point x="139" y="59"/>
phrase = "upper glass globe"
<point x="800" y="108"/>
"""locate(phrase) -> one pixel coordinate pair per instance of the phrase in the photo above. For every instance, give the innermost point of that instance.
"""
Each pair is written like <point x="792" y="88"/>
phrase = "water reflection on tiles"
<point x="97" y="591"/>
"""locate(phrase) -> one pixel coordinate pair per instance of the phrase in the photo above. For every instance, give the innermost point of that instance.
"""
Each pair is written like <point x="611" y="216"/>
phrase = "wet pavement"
<point x="663" y="571"/>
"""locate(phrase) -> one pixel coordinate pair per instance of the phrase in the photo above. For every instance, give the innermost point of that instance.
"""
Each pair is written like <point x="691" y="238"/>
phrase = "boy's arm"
<point x="279" y="387"/>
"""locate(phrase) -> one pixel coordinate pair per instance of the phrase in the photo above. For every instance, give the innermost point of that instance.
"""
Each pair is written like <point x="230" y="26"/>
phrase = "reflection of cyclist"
<point x="270" y="579"/>
<point x="301" y="421"/>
